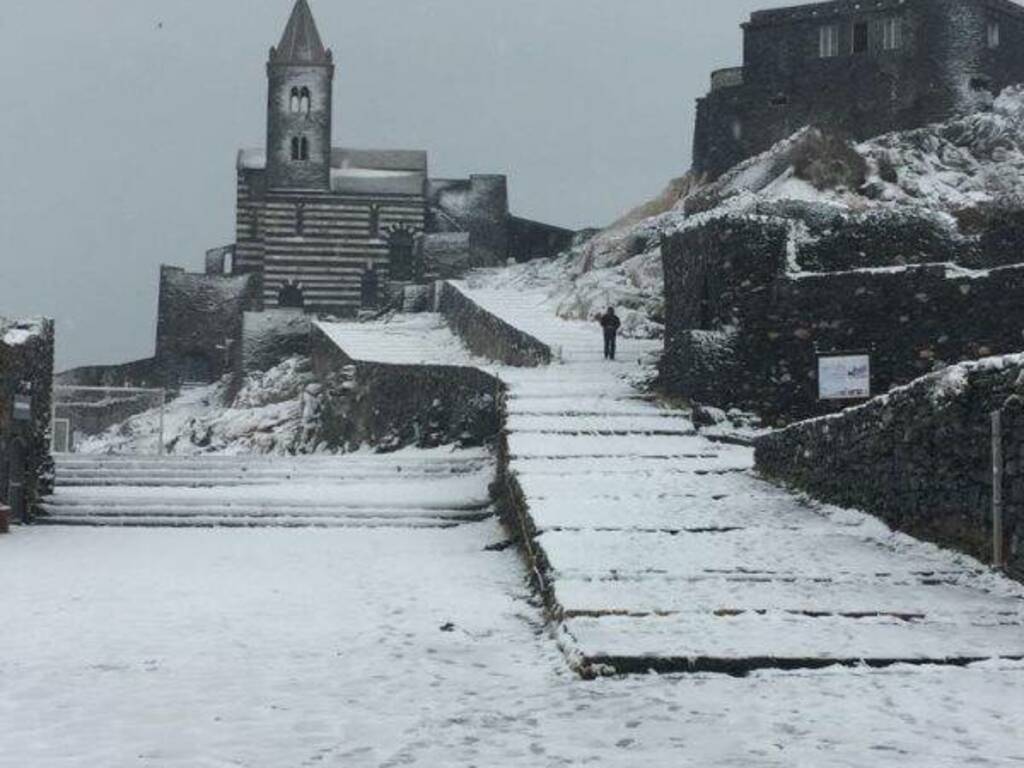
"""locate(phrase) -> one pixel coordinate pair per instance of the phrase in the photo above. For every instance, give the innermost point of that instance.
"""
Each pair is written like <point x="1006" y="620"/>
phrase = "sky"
<point x="123" y="119"/>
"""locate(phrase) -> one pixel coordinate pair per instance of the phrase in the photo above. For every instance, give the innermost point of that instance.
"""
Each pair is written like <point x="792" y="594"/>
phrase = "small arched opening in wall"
<point x="291" y="295"/>
<point x="305" y="101"/>
<point x="401" y="247"/>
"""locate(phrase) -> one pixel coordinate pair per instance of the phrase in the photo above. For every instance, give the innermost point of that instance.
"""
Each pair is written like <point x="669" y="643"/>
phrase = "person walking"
<point x="611" y="324"/>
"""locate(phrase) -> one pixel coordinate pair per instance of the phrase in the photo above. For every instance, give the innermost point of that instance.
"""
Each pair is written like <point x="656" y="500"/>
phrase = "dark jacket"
<point x="610" y="322"/>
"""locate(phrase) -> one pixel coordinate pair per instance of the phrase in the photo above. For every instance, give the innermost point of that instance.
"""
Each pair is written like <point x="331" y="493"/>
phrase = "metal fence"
<point x="108" y="420"/>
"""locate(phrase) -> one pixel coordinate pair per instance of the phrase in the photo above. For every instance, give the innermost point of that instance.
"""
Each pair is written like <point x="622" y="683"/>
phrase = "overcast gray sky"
<point x="122" y="119"/>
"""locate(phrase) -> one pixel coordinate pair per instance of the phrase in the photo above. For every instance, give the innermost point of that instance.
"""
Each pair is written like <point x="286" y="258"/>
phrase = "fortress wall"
<point x="742" y="332"/>
<point x="920" y="458"/>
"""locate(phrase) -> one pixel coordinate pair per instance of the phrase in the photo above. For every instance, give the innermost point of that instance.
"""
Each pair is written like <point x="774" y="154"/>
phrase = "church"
<point x="338" y="230"/>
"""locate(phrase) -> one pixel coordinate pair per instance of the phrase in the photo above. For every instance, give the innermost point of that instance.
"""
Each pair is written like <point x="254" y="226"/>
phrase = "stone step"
<point x="244" y="521"/>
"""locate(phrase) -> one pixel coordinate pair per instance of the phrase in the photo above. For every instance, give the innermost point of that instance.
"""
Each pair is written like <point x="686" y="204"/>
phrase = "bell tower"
<point x="300" y="73"/>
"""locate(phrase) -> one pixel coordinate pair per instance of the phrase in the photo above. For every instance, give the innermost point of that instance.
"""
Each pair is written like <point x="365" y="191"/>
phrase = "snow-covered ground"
<point x="420" y="339"/>
<point x="270" y="648"/>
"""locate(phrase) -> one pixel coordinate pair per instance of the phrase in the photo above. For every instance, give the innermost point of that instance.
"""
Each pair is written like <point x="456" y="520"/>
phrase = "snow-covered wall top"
<point x="17" y="332"/>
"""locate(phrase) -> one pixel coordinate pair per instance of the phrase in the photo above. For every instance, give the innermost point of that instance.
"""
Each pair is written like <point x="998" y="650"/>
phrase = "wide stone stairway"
<point x="422" y="489"/>
<point x="663" y="550"/>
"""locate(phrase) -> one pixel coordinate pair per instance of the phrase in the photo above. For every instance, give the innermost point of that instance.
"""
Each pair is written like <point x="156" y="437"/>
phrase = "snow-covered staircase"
<point x="409" y="489"/>
<point x="662" y="551"/>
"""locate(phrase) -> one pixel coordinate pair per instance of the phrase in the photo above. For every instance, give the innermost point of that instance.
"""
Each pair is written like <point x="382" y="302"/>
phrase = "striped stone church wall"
<point x="321" y="240"/>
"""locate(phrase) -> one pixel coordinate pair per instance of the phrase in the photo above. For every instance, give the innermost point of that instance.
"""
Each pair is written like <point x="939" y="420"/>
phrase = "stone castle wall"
<point x="943" y="66"/>
<point x="198" y="315"/>
<point x="743" y="332"/>
<point x="920" y="458"/>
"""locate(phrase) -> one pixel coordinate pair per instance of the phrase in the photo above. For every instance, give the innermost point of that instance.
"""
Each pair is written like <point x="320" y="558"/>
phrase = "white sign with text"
<point x="844" y="377"/>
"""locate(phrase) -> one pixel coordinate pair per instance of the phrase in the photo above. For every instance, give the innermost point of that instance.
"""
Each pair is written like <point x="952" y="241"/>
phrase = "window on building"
<point x="828" y="41"/>
<point x="300" y="218"/>
<point x="892" y="34"/>
<point x="296" y="148"/>
<point x="305" y="101"/>
<point x="993" y="34"/>
<point x="860" y="37"/>
<point x="293" y="103"/>
<point x="374" y="220"/>
<point x="304" y="148"/>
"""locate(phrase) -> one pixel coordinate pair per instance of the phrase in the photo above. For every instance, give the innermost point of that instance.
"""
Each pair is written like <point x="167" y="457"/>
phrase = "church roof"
<point x="301" y="43"/>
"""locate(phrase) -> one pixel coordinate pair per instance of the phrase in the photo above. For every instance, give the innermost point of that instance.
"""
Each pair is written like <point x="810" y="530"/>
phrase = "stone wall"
<point x="487" y="335"/>
<point x="139" y="373"/>
<point x="920" y="457"/>
<point x="477" y="205"/>
<point x="26" y="369"/>
<point x="393" y="406"/>
<point x="198" y="316"/>
<point x="741" y="331"/>
<point x="529" y="240"/>
<point x="272" y="336"/>
<point x="942" y="66"/>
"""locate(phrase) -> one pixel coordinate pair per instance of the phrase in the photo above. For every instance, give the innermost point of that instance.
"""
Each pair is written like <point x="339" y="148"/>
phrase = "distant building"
<point x="318" y="225"/>
<point x="858" y="67"/>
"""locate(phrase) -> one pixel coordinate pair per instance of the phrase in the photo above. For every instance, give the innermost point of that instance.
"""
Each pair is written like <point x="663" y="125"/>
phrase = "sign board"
<point x="22" y="408"/>
<point x="844" y="377"/>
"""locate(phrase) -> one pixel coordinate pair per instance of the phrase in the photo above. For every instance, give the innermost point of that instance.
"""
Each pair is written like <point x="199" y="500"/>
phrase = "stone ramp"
<point x="660" y="550"/>
<point x="409" y="489"/>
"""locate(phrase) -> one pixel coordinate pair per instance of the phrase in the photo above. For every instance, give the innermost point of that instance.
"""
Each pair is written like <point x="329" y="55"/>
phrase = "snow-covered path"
<point x="667" y="553"/>
<point x="268" y="648"/>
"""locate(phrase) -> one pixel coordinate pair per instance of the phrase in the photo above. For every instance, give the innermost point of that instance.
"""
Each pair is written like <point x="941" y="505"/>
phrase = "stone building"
<point x="857" y="68"/>
<point x="333" y="228"/>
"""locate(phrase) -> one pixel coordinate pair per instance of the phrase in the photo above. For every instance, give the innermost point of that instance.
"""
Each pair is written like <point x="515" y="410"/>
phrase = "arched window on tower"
<point x="296" y="148"/>
<point x="305" y="101"/>
<point x="304" y="149"/>
<point x="300" y="218"/>
<point x="295" y="103"/>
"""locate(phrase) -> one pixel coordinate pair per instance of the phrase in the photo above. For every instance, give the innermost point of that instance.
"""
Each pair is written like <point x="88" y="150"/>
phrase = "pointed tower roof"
<point x="301" y="43"/>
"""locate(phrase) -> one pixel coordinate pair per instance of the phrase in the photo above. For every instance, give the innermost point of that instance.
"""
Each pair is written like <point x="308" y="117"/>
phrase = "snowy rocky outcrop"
<point x="946" y="192"/>
<point x="273" y="413"/>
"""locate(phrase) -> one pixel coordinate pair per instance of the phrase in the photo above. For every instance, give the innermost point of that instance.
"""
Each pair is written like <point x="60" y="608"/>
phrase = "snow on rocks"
<point x="631" y="520"/>
<point x="267" y="416"/>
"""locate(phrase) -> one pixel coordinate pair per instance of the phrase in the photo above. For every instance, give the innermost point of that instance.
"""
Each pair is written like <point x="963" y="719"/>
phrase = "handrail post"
<point x="997" y="490"/>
